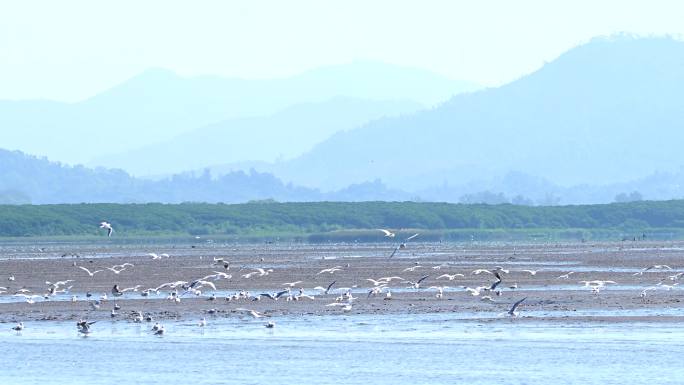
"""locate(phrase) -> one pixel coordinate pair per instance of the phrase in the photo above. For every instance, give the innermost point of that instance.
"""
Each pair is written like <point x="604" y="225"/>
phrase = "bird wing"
<point x="423" y="279"/>
<point x="515" y="305"/>
<point x="412" y="236"/>
<point x="387" y="232"/>
<point x="207" y="283"/>
<point x="395" y="251"/>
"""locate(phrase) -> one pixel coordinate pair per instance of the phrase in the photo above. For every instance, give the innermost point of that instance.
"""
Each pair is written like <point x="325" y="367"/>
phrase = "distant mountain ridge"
<point x="158" y="105"/>
<point x="609" y="111"/>
<point x="283" y="135"/>
<point x="28" y="179"/>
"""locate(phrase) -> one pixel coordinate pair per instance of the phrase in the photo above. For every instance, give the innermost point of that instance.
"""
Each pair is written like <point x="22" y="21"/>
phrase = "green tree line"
<point x="265" y="217"/>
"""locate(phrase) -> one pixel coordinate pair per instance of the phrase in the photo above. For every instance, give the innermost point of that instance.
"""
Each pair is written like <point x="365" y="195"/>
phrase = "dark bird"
<point x="329" y="287"/>
<point x="513" y="312"/>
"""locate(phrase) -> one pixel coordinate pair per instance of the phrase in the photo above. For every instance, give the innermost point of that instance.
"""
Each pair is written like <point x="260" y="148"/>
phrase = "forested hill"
<point x="308" y="218"/>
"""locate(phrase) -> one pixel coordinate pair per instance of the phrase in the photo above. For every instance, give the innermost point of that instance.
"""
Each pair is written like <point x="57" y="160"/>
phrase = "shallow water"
<point x="358" y="349"/>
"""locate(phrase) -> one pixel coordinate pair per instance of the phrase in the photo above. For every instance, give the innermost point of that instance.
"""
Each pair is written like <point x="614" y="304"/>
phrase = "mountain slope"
<point x="283" y="135"/>
<point x="605" y="112"/>
<point x="158" y="105"/>
<point x="28" y="179"/>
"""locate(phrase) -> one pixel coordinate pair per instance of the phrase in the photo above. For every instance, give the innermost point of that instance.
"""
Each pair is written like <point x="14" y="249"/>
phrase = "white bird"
<point x="202" y="323"/>
<point x="653" y="267"/>
<point x="513" y="311"/>
<point x="388" y="233"/>
<point x="116" y="269"/>
<point x="137" y="317"/>
<point x="291" y="284"/>
<point x="259" y="272"/>
<point x="108" y="226"/>
<point x="57" y="284"/>
<point x="565" y="276"/>
<point x="19" y="327"/>
<point x="90" y="273"/>
<point x="412" y="268"/>
<point x="253" y="313"/>
<point x="29" y="298"/>
<point x="475" y="291"/>
<point x="160" y="331"/>
<point x="390" y="279"/>
<point x="216" y="276"/>
<point x="171" y="285"/>
<point x="302" y="295"/>
<point x="532" y="272"/>
<point x="597" y="283"/>
<point x="330" y="270"/>
<point x="450" y="277"/>
<point x="440" y="290"/>
<point x="200" y="284"/>
<point x="667" y="287"/>
<point x="345" y="306"/>
<point x="480" y="271"/>
<point x="154" y="256"/>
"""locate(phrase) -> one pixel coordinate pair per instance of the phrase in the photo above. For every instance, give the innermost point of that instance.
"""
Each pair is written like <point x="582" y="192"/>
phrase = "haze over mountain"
<point x="28" y="179"/>
<point x="159" y="105"/>
<point x="280" y="136"/>
<point x="605" y="112"/>
<point x="603" y="122"/>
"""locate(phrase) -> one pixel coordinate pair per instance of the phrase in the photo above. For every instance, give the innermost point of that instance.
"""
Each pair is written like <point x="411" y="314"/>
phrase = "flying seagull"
<point x="450" y="277"/>
<point x="653" y="267"/>
<point x="329" y="287"/>
<point x="388" y="233"/>
<point x="513" y="312"/>
<point x="416" y="285"/>
<point x="402" y="245"/>
<point x="84" y="326"/>
<point x="108" y="226"/>
<point x="90" y="273"/>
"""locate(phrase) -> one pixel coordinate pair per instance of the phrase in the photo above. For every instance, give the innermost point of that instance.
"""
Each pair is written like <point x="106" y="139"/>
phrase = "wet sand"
<point x="549" y="298"/>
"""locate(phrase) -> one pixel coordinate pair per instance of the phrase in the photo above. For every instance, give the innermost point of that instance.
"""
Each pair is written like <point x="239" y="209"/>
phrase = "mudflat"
<point x="565" y="282"/>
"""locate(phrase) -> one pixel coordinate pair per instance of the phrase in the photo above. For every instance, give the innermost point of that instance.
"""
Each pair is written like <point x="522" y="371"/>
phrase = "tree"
<point x="634" y="196"/>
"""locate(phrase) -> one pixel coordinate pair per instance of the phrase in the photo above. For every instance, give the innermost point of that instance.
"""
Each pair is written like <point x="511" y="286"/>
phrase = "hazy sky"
<point x="68" y="50"/>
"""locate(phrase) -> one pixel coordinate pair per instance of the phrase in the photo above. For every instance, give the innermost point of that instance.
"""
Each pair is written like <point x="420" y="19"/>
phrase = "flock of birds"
<point x="176" y="290"/>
